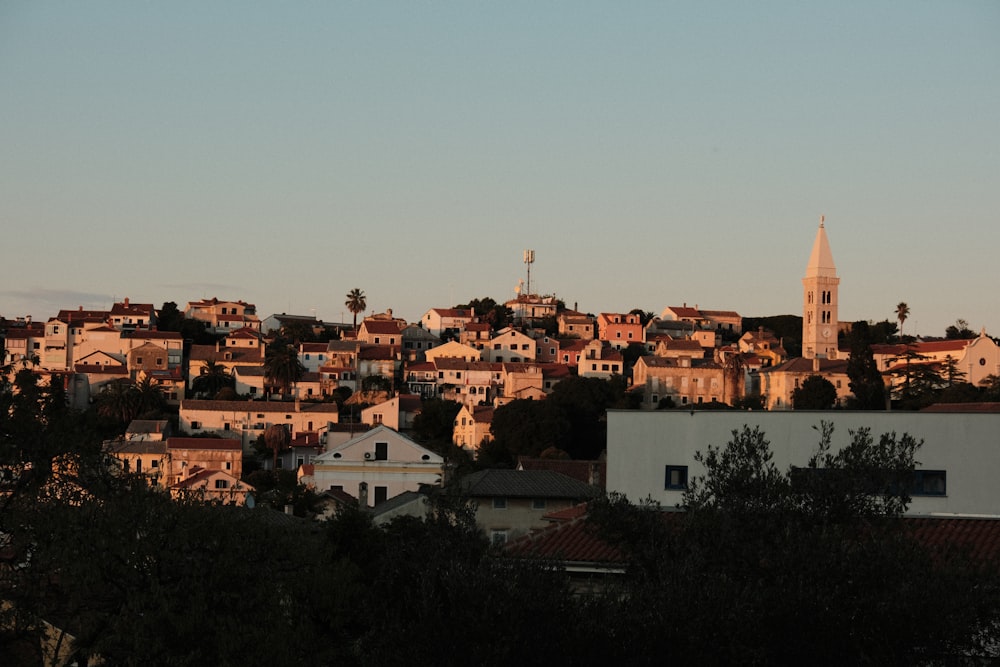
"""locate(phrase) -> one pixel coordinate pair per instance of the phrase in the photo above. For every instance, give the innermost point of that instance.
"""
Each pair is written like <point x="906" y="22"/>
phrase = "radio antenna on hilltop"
<point x="529" y="259"/>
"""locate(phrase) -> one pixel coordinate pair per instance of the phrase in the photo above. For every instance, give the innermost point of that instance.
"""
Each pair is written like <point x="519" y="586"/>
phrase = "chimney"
<point x="126" y="302"/>
<point x="595" y="474"/>
<point x="363" y="495"/>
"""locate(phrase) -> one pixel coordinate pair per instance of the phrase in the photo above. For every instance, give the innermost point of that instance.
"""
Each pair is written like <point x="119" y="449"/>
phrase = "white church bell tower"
<point x="819" y="301"/>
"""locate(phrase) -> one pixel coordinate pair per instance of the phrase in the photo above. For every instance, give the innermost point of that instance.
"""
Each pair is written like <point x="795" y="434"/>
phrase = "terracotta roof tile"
<point x="387" y="327"/>
<point x="579" y="470"/>
<point x="524" y="484"/>
<point x="453" y="312"/>
<point x="204" y="443"/>
<point x="575" y="541"/>
<point x="962" y="407"/>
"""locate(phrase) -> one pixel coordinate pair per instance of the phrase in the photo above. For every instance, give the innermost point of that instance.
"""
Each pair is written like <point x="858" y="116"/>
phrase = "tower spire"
<point x="820" y="300"/>
<point x="821" y="258"/>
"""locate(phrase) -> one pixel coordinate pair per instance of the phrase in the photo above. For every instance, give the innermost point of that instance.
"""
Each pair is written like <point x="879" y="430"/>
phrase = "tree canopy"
<point x="571" y="418"/>
<point x="812" y="565"/>
<point x="815" y="393"/>
<point x="497" y="315"/>
<point x="866" y="383"/>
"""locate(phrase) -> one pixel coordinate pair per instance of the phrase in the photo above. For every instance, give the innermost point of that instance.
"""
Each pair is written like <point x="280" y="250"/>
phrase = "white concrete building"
<point x="377" y="465"/>
<point x="652" y="453"/>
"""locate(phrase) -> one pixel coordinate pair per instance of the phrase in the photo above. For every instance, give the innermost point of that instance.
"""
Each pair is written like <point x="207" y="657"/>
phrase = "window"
<point x="229" y="465"/>
<point x="225" y="427"/>
<point x="929" y="483"/>
<point x="498" y="537"/>
<point x="138" y="361"/>
<point x="159" y="361"/>
<point x="222" y="483"/>
<point x="499" y="503"/>
<point x="381" y="451"/>
<point x="538" y="504"/>
<point x="195" y="426"/>
<point x="381" y="494"/>
<point x="676" y="477"/>
<point x="154" y="464"/>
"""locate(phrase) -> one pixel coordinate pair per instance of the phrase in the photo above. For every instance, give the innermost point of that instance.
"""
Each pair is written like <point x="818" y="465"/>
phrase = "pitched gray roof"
<point x="524" y="484"/>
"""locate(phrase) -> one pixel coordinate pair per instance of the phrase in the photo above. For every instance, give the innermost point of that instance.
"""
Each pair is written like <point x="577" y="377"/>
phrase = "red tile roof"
<point x="387" y="327"/>
<point x="980" y="536"/>
<point x="580" y="470"/>
<point x="126" y="308"/>
<point x="204" y="443"/>
<point x="97" y="369"/>
<point x="453" y="312"/>
<point x="923" y="347"/>
<point x="962" y="407"/>
<point x="573" y="541"/>
<point x="685" y="311"/>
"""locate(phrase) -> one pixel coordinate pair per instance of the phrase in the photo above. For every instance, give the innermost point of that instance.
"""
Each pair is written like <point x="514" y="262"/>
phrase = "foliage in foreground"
<point x="809" y="566"/>
<point x="764" y="567"/>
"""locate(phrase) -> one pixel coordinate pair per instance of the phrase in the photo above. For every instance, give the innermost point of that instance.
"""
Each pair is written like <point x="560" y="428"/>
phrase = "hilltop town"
<point x="465" y="387"/>
<point x="507" y="431"/>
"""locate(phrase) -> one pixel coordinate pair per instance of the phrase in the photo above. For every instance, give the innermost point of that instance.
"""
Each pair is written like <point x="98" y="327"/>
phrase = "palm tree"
<point x="902" y="312"/>
<point x="213" y="378"/>
<point x="119" y="400"/>
<point x="277" y="437"/>
<point x="282" y="367"/>
<point x="150" y="395"/>
<point x="356" y="303"/>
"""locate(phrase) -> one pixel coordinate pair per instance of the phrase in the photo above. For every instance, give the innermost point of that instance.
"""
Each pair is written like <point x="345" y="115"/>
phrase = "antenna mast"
<point x="529" y="259"/>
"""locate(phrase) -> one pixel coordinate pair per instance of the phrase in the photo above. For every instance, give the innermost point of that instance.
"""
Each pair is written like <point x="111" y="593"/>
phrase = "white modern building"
<point x="652" y="454"/>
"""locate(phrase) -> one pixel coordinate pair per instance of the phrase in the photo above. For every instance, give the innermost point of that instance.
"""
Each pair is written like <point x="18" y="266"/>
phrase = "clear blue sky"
<point x="650" y="153"/>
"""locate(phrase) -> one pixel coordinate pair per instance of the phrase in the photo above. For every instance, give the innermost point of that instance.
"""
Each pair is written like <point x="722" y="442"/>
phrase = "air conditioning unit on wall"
<point x="369" y="456"/>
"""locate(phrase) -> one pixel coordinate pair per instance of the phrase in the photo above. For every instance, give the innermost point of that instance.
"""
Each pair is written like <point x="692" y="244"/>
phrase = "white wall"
<point x="966" y="446"/>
